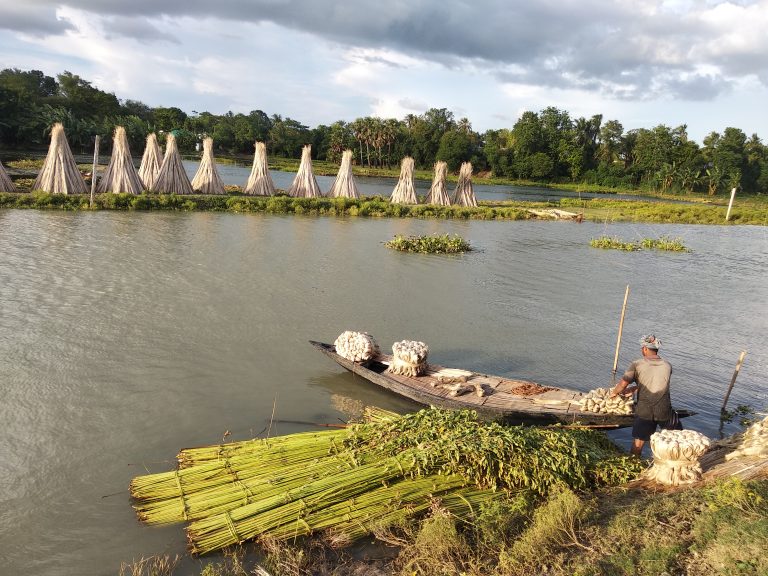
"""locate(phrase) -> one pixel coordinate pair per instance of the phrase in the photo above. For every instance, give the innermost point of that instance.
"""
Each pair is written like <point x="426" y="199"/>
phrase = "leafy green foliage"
<point x="663" y="243"/>
<point x="489" y="454"/>
<point x="430" y="244"/>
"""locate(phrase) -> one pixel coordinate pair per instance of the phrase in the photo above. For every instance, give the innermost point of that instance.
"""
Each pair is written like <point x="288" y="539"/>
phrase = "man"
<point x="650" y="375"/>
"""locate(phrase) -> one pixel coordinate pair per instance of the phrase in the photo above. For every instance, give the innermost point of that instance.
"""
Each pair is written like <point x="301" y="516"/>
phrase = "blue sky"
<point x="643" y="62"/>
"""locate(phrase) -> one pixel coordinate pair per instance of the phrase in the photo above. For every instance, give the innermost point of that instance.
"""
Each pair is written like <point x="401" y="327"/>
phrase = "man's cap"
<point x="650" y="342"/>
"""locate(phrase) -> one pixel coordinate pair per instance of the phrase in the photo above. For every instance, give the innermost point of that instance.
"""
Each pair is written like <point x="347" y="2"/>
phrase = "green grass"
<point x="435" y="244"/>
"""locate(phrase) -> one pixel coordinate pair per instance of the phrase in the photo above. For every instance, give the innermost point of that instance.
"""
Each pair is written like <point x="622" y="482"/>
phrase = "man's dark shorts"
<point x="642" y="429"/>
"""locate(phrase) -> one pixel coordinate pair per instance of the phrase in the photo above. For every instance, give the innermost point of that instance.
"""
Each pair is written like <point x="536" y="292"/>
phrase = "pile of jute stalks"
<point x="409" y="358"/>
<point x="599" y="400"/>
<point x="676" y="456"/>
<point x="752" y="442"/>
<point x="356" y="346"/>
<point x="340" y="485"/>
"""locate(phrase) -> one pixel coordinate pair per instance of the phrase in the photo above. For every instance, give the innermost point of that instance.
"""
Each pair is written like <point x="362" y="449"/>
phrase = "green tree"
<point x="167" y="119"/>
<point x="84" y="100"/>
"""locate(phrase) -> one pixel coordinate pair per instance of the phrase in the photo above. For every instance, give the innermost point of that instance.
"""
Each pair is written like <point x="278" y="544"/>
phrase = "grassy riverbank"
<point x="752" y="210"/>
<point x="719" y="529"/>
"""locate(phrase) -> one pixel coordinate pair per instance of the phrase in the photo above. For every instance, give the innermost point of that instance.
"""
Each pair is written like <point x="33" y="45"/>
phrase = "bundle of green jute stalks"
<point x="344" y="484"/>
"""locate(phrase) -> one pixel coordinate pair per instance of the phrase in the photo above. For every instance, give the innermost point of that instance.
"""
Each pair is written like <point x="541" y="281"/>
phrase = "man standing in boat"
<point x="649" y="376"/>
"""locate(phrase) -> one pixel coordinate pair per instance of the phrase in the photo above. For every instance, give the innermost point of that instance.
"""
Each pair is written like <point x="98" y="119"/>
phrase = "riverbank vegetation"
<point x="714" y="529"/>
<point x="429" y="244"/>
<point x="663" y="243"/>
<point x="548" y="147"/>
<point x="753" y="211"/>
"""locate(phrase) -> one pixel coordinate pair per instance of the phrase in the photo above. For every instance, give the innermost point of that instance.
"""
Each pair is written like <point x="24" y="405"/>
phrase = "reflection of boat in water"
<point x="503" y="399"/>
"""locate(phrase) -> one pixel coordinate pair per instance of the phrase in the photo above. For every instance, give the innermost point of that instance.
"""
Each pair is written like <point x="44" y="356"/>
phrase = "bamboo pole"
<point x="95" y="164"/>
<point x="733" y="378"/>
<point x="618" y="338"/>
<point x="730" y="204"/>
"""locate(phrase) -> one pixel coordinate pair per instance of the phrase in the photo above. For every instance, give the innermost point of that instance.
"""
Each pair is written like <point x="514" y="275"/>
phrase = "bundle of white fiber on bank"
<point x="409" y="358"/>
<point x="356" y="346"/>
<point x="260" y="181"/>
<point x="404" y="192"/>
<point x="150" y="162"/>
<point x="464" y="195"/>
<point x="172" y="179"/>
<point x="304" y="184"/>
<point x="753" y="442"/>
<point x="344" y="186"/>
<point x="438" y="195"/>
<point x="59" y="174"/>
<point x="121" y="175"/>
<point x="676" y="456"/>
<point x="6" y="184"/>
<point x="207" y="179"/>
<point x="599" y="401"/>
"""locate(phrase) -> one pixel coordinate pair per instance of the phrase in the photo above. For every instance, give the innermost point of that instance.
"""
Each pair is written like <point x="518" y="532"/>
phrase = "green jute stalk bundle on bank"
<point x="121" y="175"/>
<point x="207" y="179"/>
<point x="172" y="178"/>
<point x="260" y="181"/>
<point x="347" y="483"/>
<point x="59" y="174"/>
<point x="6" y="184"/>
<point x="150" y="162"/>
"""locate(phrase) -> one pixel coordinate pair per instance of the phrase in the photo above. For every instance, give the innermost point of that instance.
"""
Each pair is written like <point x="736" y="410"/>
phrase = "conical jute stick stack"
<point x="172" y="179"/>
<point x="260" y="182"/>
<point x="207" y="179"/>
<point x="404" y="192"/>
<point x="6" y="184"/>
<point x="464" y="195"/>
<point x="344" y="186"/>
<point x="120" y="176"/>
<point x="59" y="174"/>
<point x="437" y="193"/>
<point x="304" y="184"/>
<point x="150" y="162"/>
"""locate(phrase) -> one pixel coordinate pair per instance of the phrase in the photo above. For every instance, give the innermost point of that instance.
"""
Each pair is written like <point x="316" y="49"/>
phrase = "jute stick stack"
<point x="150" y="162"/>
<point x="409" y="358"/>
<point x="344" y="186"/>
<point x="172" y="179"/>
<point x="304" y="184"/>
<point x="404" y="192"/>
<point x="356" y="346"/>
<point x="6" y="184"/>
<point x="260" y="182"/>
<point x="464" y="195"/>
<point x="676" y="456"/>
<point x="121" y="175"/>
<point x="59" y="174"/>
<point x="437" y="193"/>
<point x="207" y="179"/>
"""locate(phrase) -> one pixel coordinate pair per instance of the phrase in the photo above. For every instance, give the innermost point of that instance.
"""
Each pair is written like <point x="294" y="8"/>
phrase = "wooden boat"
<point x="504" y="399"/>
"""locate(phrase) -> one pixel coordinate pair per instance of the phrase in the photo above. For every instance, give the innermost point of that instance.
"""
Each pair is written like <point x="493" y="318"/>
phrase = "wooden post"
<point x="733" y="378"/>
<point x="730" y="204"/>
<point x="95" y="163"/>
<point x="618" y="338"/>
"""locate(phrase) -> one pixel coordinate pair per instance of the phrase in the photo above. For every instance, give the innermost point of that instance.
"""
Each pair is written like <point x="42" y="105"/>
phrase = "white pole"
<point x="730" y="204"/>
<point x="95" y="164"/>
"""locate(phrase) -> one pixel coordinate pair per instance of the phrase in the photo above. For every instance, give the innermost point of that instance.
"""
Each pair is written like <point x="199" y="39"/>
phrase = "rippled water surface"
<point x="127" y="336"/>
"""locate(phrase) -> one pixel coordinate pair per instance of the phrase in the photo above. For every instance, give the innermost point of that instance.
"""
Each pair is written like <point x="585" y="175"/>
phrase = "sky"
<point x="702" y="63"/>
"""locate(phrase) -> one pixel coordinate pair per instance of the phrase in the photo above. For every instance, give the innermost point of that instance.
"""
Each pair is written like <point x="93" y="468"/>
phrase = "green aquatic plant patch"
<point x="663" y="243"/>
<point x="434" y="244"/>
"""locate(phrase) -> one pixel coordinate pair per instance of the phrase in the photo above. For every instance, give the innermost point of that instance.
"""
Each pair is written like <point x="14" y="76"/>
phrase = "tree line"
<point x="545" y="146"/>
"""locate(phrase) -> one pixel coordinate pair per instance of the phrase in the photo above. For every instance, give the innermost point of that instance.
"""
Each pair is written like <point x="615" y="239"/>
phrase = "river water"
<point x="127" y="336"/>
